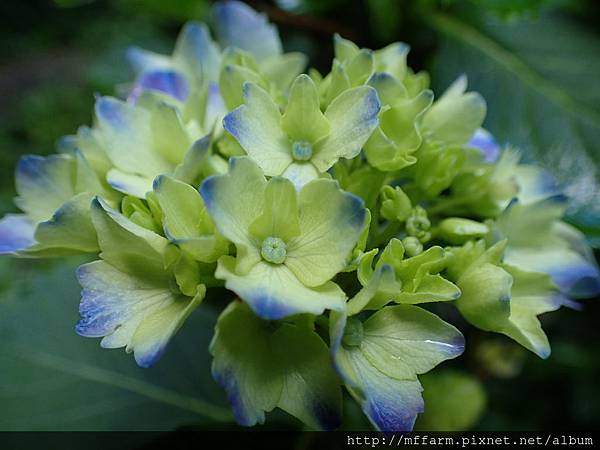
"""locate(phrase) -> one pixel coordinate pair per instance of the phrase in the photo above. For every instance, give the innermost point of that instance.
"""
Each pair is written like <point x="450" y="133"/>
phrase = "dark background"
<point x="536" y="62"/>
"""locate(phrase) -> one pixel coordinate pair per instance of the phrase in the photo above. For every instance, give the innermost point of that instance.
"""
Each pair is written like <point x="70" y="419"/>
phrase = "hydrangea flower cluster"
<point x="331" y="207"/>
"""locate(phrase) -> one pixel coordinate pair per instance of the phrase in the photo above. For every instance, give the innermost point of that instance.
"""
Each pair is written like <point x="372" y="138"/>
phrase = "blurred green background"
<point x="536" y="62"/>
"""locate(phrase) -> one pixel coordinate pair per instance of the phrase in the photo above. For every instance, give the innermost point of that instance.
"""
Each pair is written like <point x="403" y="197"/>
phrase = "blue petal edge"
<point x="16" y="233"/>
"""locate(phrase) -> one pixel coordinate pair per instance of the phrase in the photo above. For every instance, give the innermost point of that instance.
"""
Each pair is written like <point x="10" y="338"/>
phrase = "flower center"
<point x="273" y="250"/>
<point x="353" y="333"/>
<point x="301" y="150"/>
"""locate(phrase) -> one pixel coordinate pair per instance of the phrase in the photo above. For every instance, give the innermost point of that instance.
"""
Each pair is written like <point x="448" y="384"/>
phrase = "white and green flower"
<point x="289" y="244"/>
<point x="303" y="142"/>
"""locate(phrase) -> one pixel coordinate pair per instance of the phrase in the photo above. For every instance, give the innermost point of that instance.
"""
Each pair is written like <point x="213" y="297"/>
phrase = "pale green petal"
<point x="456" y="115"/>
<point x="403" y="341"/>
<point x="389" y="89"/>
<point x="139" y="314"/>
<point x="334" y="84"/>
<point x="391" y="149"/>
<point x="485" y="298"/>
<point x="170" y="138"/>
<point x="186" y="221"/>
<point x="262" y="366"/>
<point x="231" y="83"/>
<point x="183" y="208"/>
<point x="44" y="184"/>
<point x="274" y="292"/>
<point x="70" y="230"/>
<point x="279" y="217"/>
<point x="388" y="403"/>
<point x="311" y="389"/>
<point x="256" y="126"/>
<point x="303" y="119"/>
<point x="158" y="327"/>
<point x="195" y="161"/>
<point x="360" y="67"/>
<point x="129" y="183"/>
<point x="331" y="222"/>
<point x="300" y="173"/>
<point x="234" y="201"/>
<point x="353" y="117"/>
<point x="126" y="136"/>
<point x="344" y="49"/>
<point x="243" y="364"/>
<point x="281" y="70"/>
<point x="127" y="246"/>
<point x="392" y="59"/>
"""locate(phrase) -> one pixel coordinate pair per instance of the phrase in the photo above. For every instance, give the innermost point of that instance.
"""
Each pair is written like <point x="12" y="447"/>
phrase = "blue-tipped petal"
<point x="274" y="292"/>
<point x="168" y="82"/>
<point x="390" y="404"/>
<point x="238" y="25"/>
<point x="129" y="312"/>
<point x="485" y="142"/>
<point x="142" y="60"/>
<point x="16" y="233"/>
<point x="536" y="184"/>
<point x="198" y="51"/>
<point x="127" y="135"/>
<point x="580" y="278"/>
<point x="215" y="109"/>
<point x="44" y="184"/>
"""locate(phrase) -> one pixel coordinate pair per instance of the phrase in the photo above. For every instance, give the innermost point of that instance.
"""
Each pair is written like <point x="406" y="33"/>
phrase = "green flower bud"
<point x="395" y="204"/>
<point x="139" y="213"/>
<point x="457" y="230"/>
<point x="412" y="246"/>
<point x="418" y="224"/>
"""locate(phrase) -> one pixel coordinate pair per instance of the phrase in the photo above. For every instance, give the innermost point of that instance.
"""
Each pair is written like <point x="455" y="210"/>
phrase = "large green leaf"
<point x="52" y="379"/>
<point x="540" y="80"/>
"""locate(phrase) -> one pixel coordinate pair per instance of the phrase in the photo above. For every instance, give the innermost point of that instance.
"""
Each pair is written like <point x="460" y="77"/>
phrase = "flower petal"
<point x="485" y="142"/>
<point x="390" y="404"/>
<point x="142" y="60"/>
<point x="403" y="341"/>
<point x="353" y="117"/>
<point x="240" y="26"/>
<point x="69" y="231"/>
<point x="16" y="233"/>
<point x="456" y="115"/>
<point x="274" y="292"/>
<point x="127" y="137"/>
<point x="44" y="184"/>
<point x="129" y="183"/>
<point x="331" y="222"/>
<point x="300" y="173"/>
<point x="234" y="201"/>
<point x="197" y="52"/>
<point x="166" y="81"/>
<point x="128" y="246"/>
<point x="128" y="311"/>
<point x="256" y="126"/>
<point x="279" y="217"/>
<point x="303" y="119"/>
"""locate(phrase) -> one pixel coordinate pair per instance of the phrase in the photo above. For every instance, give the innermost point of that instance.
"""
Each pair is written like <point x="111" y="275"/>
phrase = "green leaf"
<point x="553" y="114"/>
<point x="53" y="379"/>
